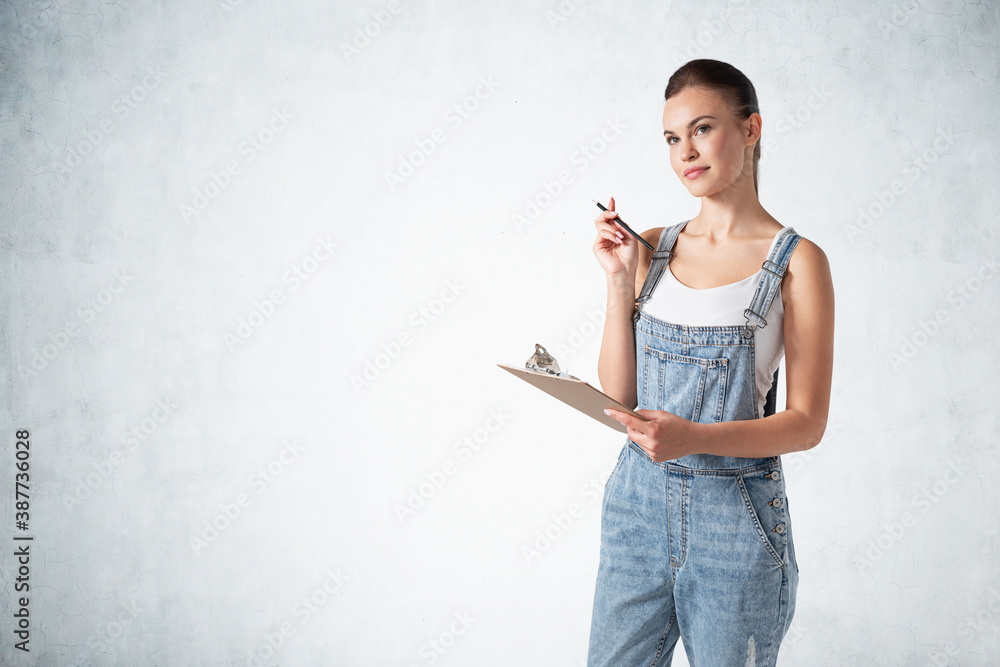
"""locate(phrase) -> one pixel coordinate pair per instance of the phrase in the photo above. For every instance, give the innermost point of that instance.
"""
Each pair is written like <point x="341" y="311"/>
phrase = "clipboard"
<point x="543" y="372"/>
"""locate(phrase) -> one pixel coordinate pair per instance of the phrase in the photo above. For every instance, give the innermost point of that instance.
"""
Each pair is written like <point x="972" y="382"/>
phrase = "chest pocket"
<point x="689" y="387"/>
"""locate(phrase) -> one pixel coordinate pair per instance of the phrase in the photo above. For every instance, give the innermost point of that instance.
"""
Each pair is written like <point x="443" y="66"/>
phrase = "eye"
<point x="670" y="141"/>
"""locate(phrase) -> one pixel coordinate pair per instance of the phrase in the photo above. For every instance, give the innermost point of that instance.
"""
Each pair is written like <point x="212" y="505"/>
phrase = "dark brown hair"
<point x="724" y="79"/>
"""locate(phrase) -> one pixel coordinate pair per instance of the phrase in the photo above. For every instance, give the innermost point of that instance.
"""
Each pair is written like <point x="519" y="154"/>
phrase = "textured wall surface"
<point x="260" y="260"/>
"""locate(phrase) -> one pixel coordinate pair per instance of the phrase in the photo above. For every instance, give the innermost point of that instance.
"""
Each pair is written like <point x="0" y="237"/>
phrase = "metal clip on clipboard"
<point x="543" y="362"/>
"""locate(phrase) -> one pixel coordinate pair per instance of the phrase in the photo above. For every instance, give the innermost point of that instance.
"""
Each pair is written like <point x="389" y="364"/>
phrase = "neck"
<point x="733" y="212"/>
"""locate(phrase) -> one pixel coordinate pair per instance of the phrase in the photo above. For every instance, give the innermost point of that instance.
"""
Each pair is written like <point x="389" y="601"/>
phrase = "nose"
<point x="687" y="151"/>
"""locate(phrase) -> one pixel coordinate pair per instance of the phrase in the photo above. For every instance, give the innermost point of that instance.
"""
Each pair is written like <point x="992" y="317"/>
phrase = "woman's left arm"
<point x="807" y="290"/>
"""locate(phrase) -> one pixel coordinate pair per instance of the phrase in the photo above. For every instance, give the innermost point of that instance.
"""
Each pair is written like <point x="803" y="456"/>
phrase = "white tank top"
<point x="674" y="302"/>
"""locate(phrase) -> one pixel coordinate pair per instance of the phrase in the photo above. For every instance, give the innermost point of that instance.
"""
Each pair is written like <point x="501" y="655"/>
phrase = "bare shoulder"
<point x="808" y="278"/>
<point x="652" y="237"/>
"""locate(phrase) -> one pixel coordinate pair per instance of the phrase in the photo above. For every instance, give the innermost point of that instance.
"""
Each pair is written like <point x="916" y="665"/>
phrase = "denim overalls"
<point x="699" y="546"/>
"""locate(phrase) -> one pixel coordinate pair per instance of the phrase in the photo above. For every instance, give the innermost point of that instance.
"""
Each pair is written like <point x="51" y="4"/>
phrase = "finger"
<point x="610" y="235"/>
<point x="611" y="207"/>
<point x="606" y="218"/>
<point x="633" y="424"/>
<point x="636" y="437"/>
<point x="620" y="416"/>
<point x="639" y="439"/>
<point x="612" y="230"/>
<point x="610" y="217"/>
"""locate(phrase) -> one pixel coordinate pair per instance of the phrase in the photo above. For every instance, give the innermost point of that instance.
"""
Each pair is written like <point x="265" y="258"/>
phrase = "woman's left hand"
<point x="665" y="436"/>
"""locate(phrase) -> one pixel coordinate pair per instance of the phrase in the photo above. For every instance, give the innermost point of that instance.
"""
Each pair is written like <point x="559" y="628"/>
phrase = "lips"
<point x="694" y="172"/>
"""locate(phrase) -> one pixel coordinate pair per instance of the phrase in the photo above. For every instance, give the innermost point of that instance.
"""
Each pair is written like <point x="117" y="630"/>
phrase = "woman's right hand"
<point x="617" y="251"/>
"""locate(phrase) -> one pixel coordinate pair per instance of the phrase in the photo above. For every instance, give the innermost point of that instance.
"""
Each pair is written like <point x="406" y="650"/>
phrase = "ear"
<point x="752" y="127"/>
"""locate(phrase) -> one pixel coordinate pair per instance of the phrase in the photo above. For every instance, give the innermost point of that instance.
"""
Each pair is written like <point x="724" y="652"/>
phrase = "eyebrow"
<point x="666" y="132"/>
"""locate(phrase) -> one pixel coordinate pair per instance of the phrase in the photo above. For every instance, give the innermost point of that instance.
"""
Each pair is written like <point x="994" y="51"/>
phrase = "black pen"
<point x="627" y="228"/>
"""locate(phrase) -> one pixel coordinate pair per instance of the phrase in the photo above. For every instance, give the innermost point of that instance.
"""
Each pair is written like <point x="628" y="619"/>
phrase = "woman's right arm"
<point x="616" y="365"/>
<point x="620" y="255"/>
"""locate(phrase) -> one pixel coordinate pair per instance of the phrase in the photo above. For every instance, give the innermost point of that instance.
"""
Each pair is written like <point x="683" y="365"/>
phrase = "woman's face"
<point x="702" y="133"/>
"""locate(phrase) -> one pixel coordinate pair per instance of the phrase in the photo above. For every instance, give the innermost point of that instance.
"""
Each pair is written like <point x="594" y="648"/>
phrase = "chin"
<point x="697" y="186"/>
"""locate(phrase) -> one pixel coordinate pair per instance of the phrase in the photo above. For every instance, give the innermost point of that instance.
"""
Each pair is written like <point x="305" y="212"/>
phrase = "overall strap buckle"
<point x="774" y="269"/>
<point x="748" y="328"/>
<point x="778" y="269"/>
<point x="657" y="265"/>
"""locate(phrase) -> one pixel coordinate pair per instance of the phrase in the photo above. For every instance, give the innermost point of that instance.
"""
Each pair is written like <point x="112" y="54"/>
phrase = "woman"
<point x="696" y="535"/>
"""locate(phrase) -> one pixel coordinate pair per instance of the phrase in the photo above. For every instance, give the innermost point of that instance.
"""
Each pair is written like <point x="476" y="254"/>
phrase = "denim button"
<point x="776" y="502"/>
<point x="780" y="528"/>
<point x="775" y="475"/>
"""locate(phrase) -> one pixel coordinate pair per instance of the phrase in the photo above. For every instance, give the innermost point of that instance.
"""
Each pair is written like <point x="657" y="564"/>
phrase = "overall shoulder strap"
<point x="770" y="279"/>
<point x="657" y="265"/>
